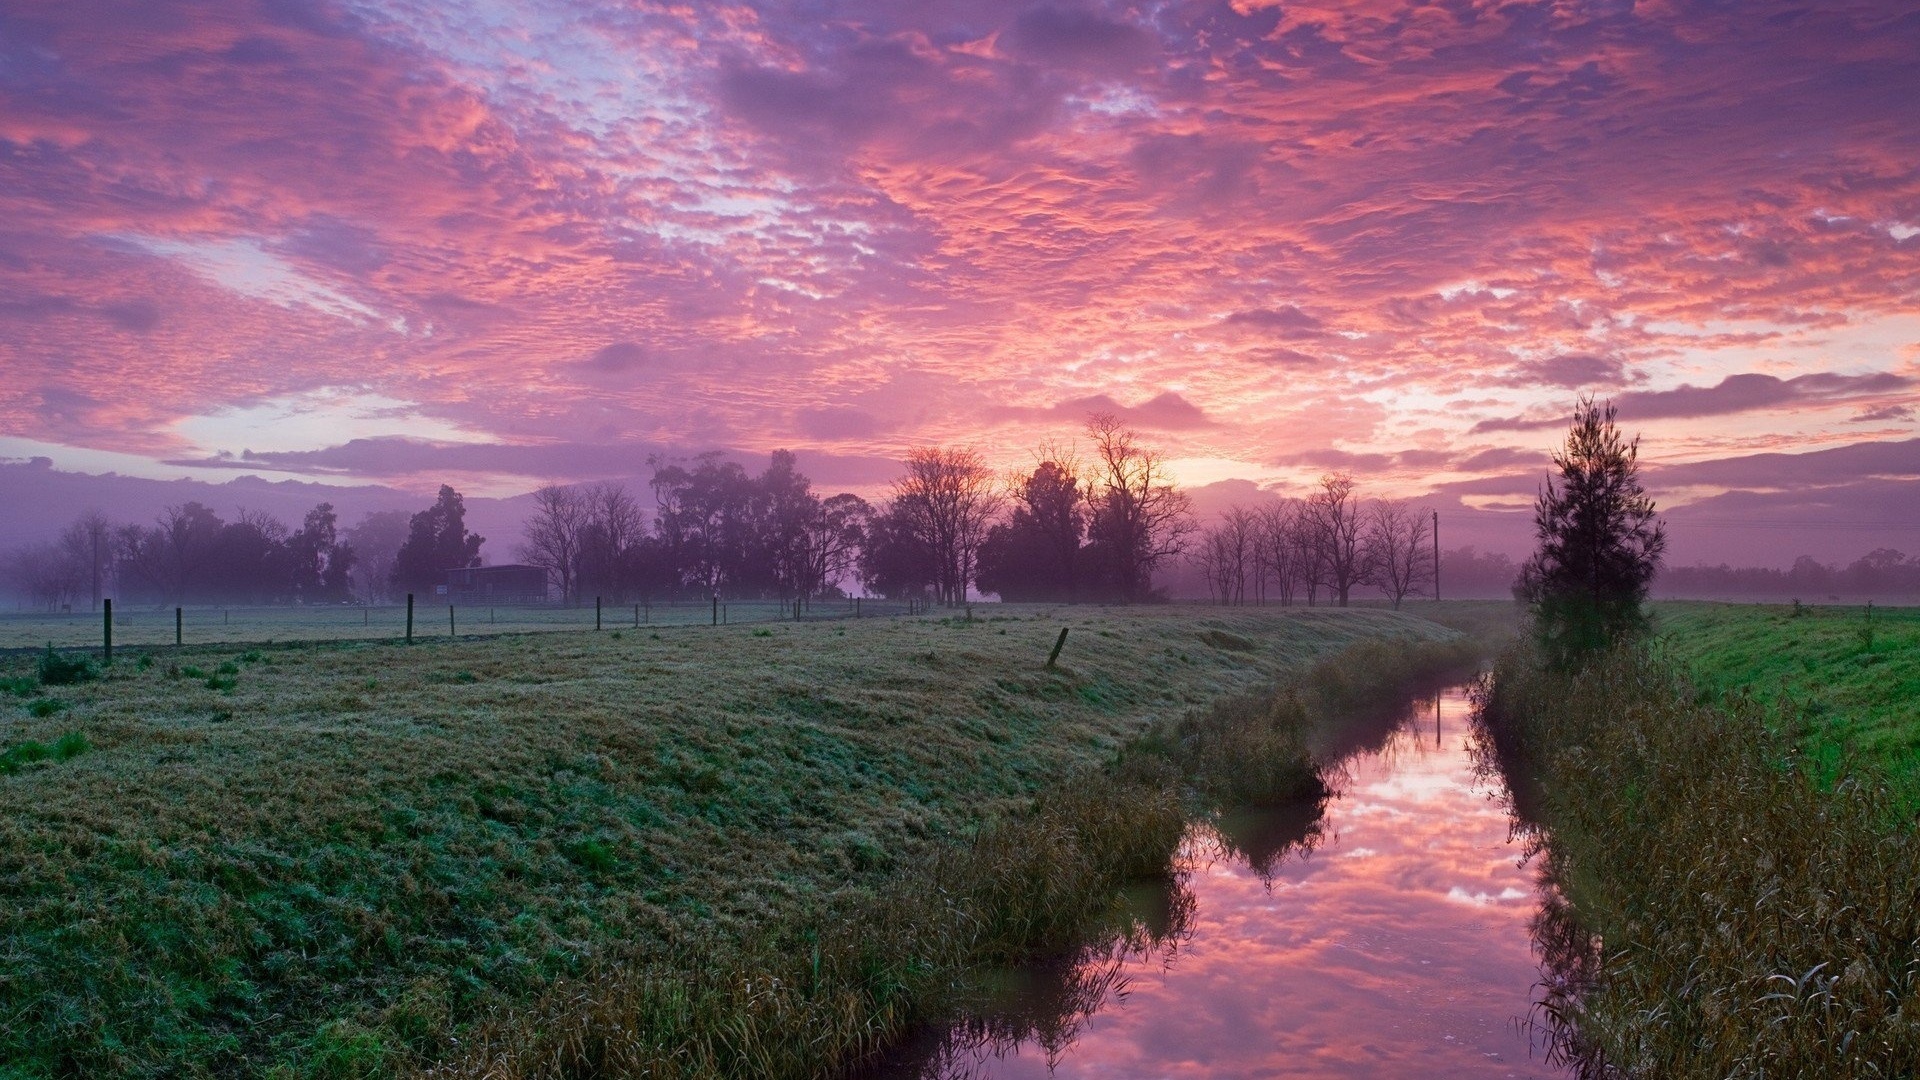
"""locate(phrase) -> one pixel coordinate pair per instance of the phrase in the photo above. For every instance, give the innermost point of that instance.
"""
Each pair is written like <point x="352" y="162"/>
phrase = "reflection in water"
<point x="1389" y="938"/>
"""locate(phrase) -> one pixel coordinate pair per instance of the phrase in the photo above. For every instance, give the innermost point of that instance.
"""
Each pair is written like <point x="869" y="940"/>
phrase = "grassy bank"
<point x="1846" y="681"/>
<point x="1726" y="910"/>
<point x="327" y="860"/>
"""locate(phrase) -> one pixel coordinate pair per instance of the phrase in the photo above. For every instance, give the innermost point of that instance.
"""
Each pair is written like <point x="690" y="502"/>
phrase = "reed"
<point x="1716" y="911"/>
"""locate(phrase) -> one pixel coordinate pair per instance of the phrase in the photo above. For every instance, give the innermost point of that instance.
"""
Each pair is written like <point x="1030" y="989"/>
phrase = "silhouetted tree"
<point x="1333" y="522"/>
<point x="947" y="499"/>
<point x="830" y="541"/>
<point x="321" y="562"/>
<point x="1599" y="541"/>
<point x="1399" y="547"/>
<point x="88" y="544"/>
<point x="554" y="536"/>
<point x="437" y="541"/>
<point x="702" y="513"/>
<point x="1139" y="519"/>
<point x="614" y="528"/>
<point x="1225" y="554"/>
<point x="375" y="543"/>
<point x="1283" y="554"/>
<point x="896" y="563"/>
<point x="1035" y="554"/>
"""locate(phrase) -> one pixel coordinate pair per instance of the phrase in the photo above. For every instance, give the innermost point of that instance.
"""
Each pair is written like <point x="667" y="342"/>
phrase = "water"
<point x="1389" y="939"/>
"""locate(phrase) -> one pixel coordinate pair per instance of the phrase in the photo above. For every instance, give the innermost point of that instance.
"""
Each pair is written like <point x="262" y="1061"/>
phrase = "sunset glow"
<point x="501" y="244"/>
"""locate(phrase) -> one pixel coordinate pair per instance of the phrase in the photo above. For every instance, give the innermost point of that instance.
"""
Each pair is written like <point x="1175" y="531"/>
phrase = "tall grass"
<point x="1716" y="911"/>
<point x="824" y="993"/>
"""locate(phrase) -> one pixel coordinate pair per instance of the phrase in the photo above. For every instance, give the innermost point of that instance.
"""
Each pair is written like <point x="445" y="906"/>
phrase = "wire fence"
<point x="146" y="627"/>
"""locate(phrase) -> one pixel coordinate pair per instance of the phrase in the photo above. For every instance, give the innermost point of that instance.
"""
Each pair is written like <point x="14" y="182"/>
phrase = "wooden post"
<point x="179" y="621"/>
<point x="366" y="615"/>
<point x="107" y="626"/>
<point x="723" y="614"/>
<point x="596" y="613"/>
<point x="856" y="607"/>
<point x="716" y="609"/>
<point x="1057" y="645"/>
<point x="409" y="618"/>
<point x="1436" y="556"/>
<point x="636" y="616"/>
<point x="450" y="630"/>
<point x="646" y="610"/>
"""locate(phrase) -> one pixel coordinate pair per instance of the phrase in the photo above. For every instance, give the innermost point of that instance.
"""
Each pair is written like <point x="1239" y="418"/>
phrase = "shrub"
<point x="70" y="745"/>
<point x="57" y="669"/>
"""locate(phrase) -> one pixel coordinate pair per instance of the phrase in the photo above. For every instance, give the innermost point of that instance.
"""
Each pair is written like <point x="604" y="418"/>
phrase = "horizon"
<point x="383" y="246"/>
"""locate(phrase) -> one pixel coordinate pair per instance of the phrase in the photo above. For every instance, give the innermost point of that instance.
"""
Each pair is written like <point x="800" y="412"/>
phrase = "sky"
<point x="502" y="244"/>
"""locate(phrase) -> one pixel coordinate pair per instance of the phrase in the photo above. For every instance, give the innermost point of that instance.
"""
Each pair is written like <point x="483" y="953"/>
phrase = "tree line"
<point x="1882" y="572"/>
<point x="1331" y="542"/>
<point x="948" y="528"/>
<point x="191" y="555"/>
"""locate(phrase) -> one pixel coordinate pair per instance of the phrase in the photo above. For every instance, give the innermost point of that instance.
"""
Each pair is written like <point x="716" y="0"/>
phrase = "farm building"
<point x="514" y="583"/>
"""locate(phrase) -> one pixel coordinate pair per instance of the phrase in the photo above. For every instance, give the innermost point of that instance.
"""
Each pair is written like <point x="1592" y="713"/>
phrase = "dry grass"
<point x="1723" y="912"/>
<point x="329" y="861"/>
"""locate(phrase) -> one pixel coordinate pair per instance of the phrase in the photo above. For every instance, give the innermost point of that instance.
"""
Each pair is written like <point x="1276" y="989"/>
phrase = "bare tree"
<point x="1399" y="548"/>
<point x="1282" y="556"/>
<point x="830" y="540"/>
<point x="88" y="542"/>
<point x="612" y="524"/>
<point x="45" y="575"/>
<point x="555" y="534"/>
<point x="1139" y="519"/>
<point x="1335" y="524"/>
<point x="1224" y="553"/>
<point x="948" y="498"/>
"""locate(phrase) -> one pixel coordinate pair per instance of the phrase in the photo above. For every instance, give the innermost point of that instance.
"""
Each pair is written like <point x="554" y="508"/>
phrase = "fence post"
<point x="1055" y="654"/>
<point x="178" y="623"/>
<point x="716" y="609"/>
<point x="856" y="607"/>
<point x="450" y="630"/>
<point x="107" y="627"/>
<point x="409" y="618"/>
<point x="596" y="613"/>
<point x="649" y="610"/>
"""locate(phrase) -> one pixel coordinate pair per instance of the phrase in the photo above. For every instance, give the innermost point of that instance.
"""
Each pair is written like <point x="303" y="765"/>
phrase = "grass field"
<point x="138" y="626"/>
<point x="1848" y="683"/>
<point x="317" y="858"/>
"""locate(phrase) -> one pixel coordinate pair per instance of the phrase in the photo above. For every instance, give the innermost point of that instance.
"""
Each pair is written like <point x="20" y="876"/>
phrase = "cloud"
<point x="1168" y="411"/>
<point x="1882" y="414"/>
<point x="1286" y="321"/>
<point x="1078" y="38"/>
<point x="1570" y="371"/>
<point x="1734" y="394"/>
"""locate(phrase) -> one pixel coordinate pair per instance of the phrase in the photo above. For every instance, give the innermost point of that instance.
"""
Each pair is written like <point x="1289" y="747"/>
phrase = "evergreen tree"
<point x="437" y="541"/>
<point x="1600" y="542"/>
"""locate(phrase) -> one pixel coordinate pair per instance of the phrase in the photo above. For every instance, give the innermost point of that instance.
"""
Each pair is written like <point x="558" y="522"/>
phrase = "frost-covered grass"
<point x="329" y="860"/>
